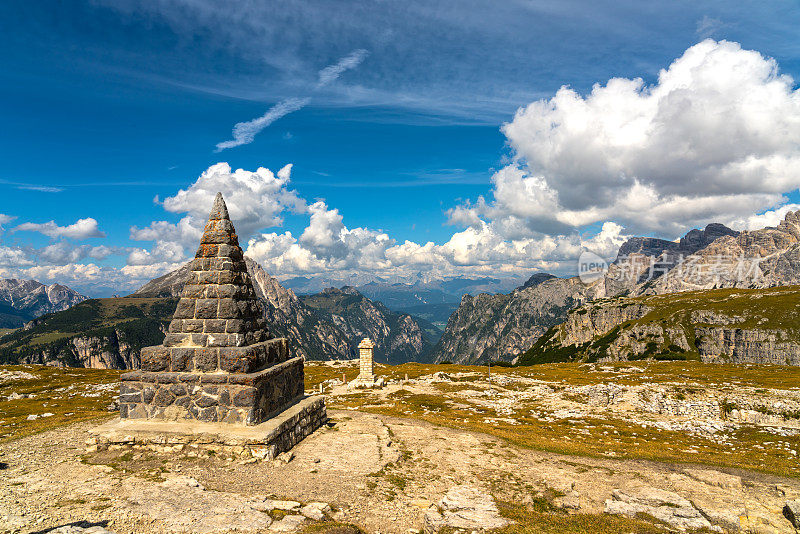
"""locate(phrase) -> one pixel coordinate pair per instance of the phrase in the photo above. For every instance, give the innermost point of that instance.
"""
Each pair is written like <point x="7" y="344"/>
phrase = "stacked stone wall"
<point x="236" y="398"/>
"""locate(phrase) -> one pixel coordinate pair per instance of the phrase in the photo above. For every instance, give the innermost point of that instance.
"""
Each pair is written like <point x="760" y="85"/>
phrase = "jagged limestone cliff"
<point x="725" y="325"/>
<point x="398" y="337"/>
<point x="494" y="326"/>
<point x="761" y="258"/>
<point x="499" y="327"/>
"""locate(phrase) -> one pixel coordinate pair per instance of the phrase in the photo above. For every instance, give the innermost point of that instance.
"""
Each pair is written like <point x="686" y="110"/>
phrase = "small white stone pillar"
<point x="366" y="372"/>
<point x="366" y="367"/>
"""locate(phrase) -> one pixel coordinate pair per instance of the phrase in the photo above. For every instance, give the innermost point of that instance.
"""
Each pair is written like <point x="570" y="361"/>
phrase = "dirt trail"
<point x="380" y="473"/>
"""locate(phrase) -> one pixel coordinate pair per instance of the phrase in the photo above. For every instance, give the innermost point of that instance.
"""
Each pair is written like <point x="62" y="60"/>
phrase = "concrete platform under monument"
<point x="265" y="441"/>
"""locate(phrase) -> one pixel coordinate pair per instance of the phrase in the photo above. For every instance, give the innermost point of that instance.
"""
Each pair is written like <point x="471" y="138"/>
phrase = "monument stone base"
<point x="264" y="441"/>
<point x="234" y="398"/>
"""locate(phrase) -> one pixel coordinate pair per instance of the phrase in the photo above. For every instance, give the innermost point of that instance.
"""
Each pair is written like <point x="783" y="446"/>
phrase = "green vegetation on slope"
<point x="362" y="316"/>
<point x="139" y="321"/>
<point x="775" y="308"/>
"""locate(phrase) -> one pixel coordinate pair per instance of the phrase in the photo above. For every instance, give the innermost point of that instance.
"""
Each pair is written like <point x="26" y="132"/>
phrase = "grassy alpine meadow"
<point x="545" y="407"/>
<point x="542" y="407"/>
<point x="35" y="398"/>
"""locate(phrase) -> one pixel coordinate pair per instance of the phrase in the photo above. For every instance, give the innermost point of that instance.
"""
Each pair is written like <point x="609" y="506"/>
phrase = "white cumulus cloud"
<point x="717" y="137"/>
<point x="81" y="229"/>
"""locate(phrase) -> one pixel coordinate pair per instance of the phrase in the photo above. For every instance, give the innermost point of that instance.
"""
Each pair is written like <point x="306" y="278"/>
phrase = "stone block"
<point x="163" y="397"/>
<point x="220" y="378"/>
<point x="244" y="397"/>
<point x="198" y="340"/>
<point x="182" y="359"/>
<point x="207" y="251"/>
<point x="205" y="277"/>
<point x="214" y="326"/>
<point x="192" y="378"/>
<point x="206" y="308"/>
<point x="229" y="251"/>
<point x="200" y="264"/>
<point x="220" y="340"/>
<point x="235" y="326"/>
<point x="230" y="291"/>
<point x="176" y="340"/>
<point x="155" y="358"/>
<point x="165" y="378"/>
<point x="215" y="237"/>
<point x="193" y="325"/>
<point x="179" y="390"/>
<point x="206" y="359"/>
<point x="185" y="309"/>
<point x="228" y="309"/>
<point x="132" y="376"/>
<point x="193" y="291"/>
<point x="236" y="360"/>
<point x="210" y="292"/>
<point x="148" y="392"/>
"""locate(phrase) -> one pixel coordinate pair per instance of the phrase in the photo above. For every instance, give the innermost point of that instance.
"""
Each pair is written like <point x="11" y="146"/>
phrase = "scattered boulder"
<point x="285" y="457"/>
<point x="315" y="510"/>
<point x="463" y="507"/>
<point x="665" y="506"/>
<point x="570" y="501"/>
<point x="269" y="505"/>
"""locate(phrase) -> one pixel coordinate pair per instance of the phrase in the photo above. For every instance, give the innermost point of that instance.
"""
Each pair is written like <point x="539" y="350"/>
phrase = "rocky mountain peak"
<point x="23" y="300"/>
<point x="791" y="223"/>
<point x="696" y="239"/>
<point x="537" y="279"/>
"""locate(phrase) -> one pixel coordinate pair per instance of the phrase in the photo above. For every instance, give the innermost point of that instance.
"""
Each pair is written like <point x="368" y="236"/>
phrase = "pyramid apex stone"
<point x="219" y="211"/>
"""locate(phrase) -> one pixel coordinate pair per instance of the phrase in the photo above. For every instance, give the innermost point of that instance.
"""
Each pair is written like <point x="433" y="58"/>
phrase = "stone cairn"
<point x="218" y="363"/>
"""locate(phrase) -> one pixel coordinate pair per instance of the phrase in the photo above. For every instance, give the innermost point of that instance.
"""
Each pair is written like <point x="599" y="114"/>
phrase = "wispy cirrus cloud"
<point x="41" y="188"/>
<point x="245" y="132"/>
<point x="331" y="73"/>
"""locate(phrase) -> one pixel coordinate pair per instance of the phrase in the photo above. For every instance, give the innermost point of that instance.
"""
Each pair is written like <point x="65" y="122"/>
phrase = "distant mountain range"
<point x="423" y="290"/>
<point x="23" y="300"/>
<point x="109" y="333"/>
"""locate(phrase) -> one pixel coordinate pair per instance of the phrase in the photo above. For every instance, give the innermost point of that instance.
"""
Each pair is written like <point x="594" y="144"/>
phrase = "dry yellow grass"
<point x="748" y="447"/>
<point x="70" y="395"/>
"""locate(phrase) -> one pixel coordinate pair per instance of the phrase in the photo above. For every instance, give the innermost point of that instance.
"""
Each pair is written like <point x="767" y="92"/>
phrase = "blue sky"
<point x="107" y="105"/>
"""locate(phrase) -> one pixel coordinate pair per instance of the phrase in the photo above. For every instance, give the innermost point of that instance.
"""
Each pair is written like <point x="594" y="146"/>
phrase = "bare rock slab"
<point x="464" y="507"/>
<point x="289" y="523"/>
<point x="664" y="505"/>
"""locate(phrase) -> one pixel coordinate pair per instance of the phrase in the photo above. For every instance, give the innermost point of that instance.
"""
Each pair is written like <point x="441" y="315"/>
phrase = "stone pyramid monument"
<point x="218" y="365"/>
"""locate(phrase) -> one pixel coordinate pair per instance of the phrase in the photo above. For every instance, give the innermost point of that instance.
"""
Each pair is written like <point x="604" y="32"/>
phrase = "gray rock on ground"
<point x="664" y="505"/>
<point x="464" y="507"/>
<point x="316" y="510"/>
